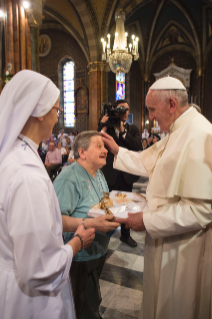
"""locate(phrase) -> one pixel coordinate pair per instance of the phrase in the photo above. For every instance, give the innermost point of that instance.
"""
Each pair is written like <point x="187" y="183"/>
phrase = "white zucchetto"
<point x="27" y="94"/>
<point x="167" y="83"/>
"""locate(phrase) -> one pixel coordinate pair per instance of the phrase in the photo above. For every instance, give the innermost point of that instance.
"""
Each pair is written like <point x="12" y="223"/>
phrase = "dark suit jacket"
<point x="132" y="142"/>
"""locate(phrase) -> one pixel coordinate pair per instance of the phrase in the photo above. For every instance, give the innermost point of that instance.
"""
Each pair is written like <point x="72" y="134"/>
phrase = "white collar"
<point x="32" y="144"/>
<point x="188" y="110"/>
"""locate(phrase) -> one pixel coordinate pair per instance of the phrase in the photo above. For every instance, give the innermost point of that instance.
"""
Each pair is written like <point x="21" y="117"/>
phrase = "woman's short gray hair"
<point x="82" y="140"/>
<point x="180" y="95"/>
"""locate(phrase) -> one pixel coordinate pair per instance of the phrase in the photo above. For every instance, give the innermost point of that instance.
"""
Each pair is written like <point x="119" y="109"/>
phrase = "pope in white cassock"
<point x="34" y="262"/>
<point x="178" y="248"/>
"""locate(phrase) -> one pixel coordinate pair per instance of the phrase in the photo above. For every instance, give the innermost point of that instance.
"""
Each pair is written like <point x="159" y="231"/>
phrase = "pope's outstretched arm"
<point x="128" y="161"/>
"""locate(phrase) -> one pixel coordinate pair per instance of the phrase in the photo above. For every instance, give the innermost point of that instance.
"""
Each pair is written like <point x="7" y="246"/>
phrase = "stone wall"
<point x="64" y="45"/>
<point x="183" y="60"/>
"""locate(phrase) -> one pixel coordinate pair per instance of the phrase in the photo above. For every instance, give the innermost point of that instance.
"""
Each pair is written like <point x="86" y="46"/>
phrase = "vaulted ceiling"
<point x="161" y="25"/>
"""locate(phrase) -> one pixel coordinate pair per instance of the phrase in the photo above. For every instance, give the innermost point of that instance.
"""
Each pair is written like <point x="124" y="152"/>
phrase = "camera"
<point x="113" y="114"/>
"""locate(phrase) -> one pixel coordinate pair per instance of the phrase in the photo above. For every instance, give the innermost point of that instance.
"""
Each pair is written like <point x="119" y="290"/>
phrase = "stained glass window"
<point x="68" y="94"/>
<point x="120" y="86"/>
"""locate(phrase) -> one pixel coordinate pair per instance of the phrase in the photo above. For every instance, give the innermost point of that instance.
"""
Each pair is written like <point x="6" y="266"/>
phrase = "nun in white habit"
<point x="34" y="262"/>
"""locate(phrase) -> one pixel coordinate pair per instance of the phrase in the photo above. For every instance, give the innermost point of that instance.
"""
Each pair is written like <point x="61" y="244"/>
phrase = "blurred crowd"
<point x="56" y="151"/>
<point x="148" y="139"/>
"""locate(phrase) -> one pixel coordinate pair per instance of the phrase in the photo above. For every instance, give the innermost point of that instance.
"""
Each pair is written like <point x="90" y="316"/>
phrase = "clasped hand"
<point x="87" y="235"/>
<point x="134" y="221"/>
<point x="105" y="223"/>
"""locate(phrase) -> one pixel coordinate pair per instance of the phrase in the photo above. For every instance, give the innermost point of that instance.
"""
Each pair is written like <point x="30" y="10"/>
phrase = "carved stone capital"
<point x="98" y="66"/>
<point x="199" y="71"/>
<point x="34" y="18"/>
<point x="146" y="77"/>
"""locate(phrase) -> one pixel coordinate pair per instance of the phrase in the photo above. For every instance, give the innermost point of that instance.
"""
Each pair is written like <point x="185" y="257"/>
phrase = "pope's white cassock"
<point x="34" y="262"/>
<point x="178" y="248"/>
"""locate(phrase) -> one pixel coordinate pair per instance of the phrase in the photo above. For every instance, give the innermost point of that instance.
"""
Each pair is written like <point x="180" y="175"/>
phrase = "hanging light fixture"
<point x="120" y="58"/>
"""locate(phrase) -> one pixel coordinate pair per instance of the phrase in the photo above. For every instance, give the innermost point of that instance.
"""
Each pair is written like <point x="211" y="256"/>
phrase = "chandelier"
<point x="120" y="58"/>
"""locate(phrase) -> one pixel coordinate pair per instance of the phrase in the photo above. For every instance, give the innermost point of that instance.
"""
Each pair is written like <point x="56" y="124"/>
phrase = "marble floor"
<point x="121" y="280"/>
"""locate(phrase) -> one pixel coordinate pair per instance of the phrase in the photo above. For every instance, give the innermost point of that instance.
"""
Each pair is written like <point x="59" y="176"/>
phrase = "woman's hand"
<point x="86" y="234"/>
<point x="105" y="223"/>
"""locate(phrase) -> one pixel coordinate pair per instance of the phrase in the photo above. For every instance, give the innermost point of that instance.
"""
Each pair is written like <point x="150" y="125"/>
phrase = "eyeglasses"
<point x="59" y="110"/>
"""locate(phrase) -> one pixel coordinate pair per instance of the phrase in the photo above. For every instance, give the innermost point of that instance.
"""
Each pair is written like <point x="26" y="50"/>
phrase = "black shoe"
<point x="129" y="241"/>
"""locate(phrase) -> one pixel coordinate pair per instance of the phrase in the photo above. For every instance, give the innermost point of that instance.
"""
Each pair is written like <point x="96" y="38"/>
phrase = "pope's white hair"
<point x="180" y="95"/>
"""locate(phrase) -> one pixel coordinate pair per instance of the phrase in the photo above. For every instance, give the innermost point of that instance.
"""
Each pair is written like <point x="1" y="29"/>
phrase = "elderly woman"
<point x="34" y="262"/>
<point x="78" y="187"/>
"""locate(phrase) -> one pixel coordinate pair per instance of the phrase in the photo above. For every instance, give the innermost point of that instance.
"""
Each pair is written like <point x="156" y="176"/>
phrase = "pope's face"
<point x="159" y="111"/>
<point x="96" y="153"/>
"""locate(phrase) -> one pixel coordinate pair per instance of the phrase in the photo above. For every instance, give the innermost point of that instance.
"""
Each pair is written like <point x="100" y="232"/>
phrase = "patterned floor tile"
<point x="139" y="250"/>
<point x="123" y="276"/>
<point x="121" y="259"/>
<point x="139" y="264"/>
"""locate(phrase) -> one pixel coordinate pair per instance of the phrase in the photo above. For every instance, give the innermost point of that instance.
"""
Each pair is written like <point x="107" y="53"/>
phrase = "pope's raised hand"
<point x="110" y="143"/>
<point x="134" y="221"/>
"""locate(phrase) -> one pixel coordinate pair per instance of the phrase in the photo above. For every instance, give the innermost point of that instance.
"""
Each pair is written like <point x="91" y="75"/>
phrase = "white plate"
<point x="122" y="210"/>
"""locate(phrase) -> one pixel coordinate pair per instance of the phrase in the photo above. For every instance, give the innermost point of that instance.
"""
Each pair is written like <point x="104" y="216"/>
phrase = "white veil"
<point x="27" y="94"/>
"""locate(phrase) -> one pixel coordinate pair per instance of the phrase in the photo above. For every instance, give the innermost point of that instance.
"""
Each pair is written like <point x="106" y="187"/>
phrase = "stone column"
<point x="199" y="72"/>
<point x="203" y="91"/>
<point x="35" y="22"/>
<point x="142" y="105"/>
<point x="146" y="88"/>
<point x="97" y="91"/>
<point x="9" y="44"/>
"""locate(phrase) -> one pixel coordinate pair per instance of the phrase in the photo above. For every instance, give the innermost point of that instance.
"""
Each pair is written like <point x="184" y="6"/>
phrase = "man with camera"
<point x="113" y="121"/>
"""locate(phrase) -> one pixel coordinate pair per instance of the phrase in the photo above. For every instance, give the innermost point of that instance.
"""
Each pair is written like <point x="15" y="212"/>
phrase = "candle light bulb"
<point x="1" y="14"/>
<point x="26" y="4"/>
<point x="137" y="39"/>
<point x="126" y="34"/>
<point x="116" y="34"/>
<point x="108" y="36"/>
<point x="133" y="37"/>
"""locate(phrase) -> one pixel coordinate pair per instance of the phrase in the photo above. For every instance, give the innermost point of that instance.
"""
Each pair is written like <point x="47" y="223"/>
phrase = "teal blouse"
<point x="77" y="191"/>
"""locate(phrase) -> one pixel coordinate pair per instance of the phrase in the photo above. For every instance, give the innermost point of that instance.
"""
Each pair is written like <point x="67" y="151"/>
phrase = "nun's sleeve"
<point x="42" y="262"/>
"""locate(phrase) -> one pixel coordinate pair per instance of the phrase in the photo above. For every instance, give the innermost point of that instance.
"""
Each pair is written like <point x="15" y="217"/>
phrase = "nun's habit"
<point x="34" y="262"/>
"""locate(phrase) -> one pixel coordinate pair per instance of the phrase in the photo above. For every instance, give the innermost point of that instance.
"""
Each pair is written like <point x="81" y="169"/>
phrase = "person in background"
<point x="128" y="137"/>
<point x="61" y="149"/>
<point x="156" y="138"/>
<point x="45" y="145"/>
<point x="149" y="142"/>
<point x="144" y="144"/>
<point x="53" y="159"/>
<point x="71" y="157"/>
<point x="145" y="134"/>
<point x="63" y="138"/>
